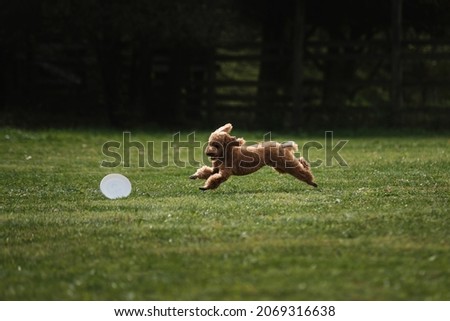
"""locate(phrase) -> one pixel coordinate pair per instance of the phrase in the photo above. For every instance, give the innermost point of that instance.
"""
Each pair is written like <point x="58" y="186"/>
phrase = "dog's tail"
<point x="292" y="146"/>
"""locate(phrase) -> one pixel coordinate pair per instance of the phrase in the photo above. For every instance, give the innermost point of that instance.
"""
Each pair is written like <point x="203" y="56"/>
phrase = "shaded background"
<point x="192" y="63"/>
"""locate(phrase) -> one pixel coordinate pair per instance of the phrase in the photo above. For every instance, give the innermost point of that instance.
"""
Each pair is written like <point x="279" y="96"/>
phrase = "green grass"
<point x="375" y="230"/>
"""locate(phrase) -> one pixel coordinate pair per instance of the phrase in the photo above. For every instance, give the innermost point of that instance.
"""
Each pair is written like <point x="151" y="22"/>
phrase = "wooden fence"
<point x="396" y="77"/>
<point x="373" y="94"/>
<point x="342" y="83"/>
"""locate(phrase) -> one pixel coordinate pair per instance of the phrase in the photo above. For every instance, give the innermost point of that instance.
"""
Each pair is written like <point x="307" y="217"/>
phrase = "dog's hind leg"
<point x="297" y="169"/>
<point x="280" y="170"/>
<point x="304" y="163"/>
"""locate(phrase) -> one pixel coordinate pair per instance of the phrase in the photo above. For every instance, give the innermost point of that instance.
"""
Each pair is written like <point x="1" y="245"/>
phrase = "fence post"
<point x="297" y="70"/>
<point x="396" y="61"/>
<point x="211" y="85"/>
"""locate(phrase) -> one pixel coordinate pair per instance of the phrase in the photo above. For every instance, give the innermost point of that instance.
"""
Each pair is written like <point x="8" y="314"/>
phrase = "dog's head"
<point x="220" y="142"/>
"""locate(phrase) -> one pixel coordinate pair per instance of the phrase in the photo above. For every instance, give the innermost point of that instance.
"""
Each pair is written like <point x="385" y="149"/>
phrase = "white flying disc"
<point x="115" y="186"/>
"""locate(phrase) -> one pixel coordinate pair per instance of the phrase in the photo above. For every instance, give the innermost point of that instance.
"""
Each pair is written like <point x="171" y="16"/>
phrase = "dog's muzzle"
<point x="212" y="156"/>
<point x="212" y="152"/>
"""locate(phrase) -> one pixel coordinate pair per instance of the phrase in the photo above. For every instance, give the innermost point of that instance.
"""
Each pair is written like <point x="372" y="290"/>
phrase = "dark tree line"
<point x="125" y="63"/>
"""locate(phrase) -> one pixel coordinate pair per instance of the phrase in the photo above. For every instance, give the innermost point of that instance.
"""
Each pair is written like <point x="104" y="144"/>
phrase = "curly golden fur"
<point x="230" y="156"/>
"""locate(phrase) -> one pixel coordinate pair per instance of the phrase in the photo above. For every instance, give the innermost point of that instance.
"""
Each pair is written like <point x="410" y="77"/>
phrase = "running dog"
<point x="230" y="156"/>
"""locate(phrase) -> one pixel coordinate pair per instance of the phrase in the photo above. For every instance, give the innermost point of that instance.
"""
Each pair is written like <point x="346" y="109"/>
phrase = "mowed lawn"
<point x="377" y="229"/>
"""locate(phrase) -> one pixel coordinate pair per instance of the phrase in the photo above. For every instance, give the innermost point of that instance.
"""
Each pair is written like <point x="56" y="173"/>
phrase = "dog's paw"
<point x="203" y="188"/>
<point x="193" y="176"/>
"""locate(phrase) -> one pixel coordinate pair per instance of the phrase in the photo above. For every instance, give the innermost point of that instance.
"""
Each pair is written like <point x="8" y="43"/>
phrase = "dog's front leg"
<point x="204" y="172"/>
<point x="215" y="180"/>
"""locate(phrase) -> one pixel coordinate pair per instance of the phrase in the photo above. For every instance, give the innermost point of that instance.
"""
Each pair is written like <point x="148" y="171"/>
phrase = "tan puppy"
<point x="230" y="156"/>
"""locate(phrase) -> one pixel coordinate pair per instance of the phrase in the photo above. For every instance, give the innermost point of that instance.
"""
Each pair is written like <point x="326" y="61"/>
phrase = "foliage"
<point x="375" y="230"/>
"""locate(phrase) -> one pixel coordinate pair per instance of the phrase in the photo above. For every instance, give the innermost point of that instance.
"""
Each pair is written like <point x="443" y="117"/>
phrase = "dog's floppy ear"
<point x="228" y="154"/>
<point x="225" y="128"/>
